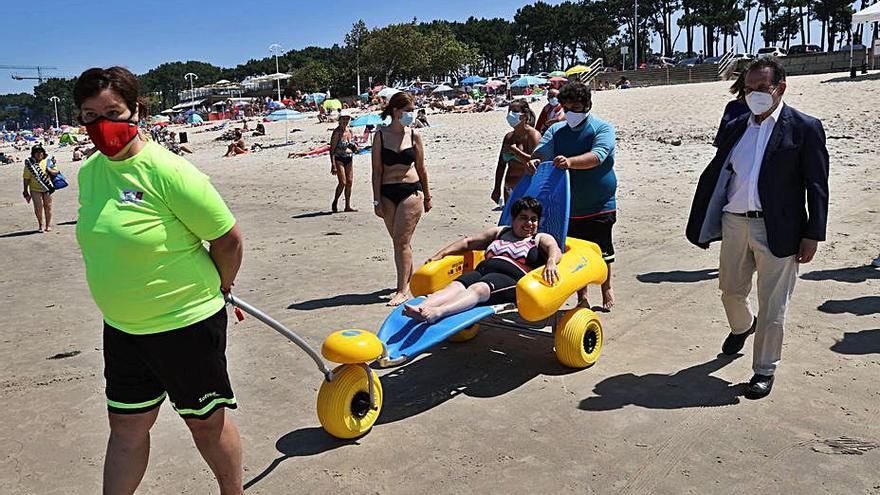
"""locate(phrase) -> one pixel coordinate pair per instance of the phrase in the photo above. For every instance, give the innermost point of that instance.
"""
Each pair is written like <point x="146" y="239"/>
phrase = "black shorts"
<point x="595" y="229"/>
<point x="344" y="160"/>
<point x="499" y="275"/>
<point x="187" y="364"/>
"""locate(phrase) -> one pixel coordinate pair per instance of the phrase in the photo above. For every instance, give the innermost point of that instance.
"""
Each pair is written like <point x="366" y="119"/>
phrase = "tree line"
<point x="538" y="37"/>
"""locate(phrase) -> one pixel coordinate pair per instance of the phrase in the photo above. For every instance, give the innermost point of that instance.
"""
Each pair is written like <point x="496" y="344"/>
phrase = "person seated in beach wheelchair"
<point x="511" y="252"/>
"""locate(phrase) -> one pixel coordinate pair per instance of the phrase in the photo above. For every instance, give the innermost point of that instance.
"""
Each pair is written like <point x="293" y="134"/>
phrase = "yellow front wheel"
<point x="466" y="334"/>
<point x="578" y="338"/>
<point x="344" y="408"/>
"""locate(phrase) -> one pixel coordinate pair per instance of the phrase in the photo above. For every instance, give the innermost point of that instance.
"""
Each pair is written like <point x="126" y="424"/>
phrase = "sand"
<point x="659" y="412"/>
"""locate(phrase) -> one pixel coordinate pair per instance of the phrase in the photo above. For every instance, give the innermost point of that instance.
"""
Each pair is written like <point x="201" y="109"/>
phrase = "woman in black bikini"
<point x="400" y="185"/>
<point x="511" y="252"/>
<point x="342" y="150"/>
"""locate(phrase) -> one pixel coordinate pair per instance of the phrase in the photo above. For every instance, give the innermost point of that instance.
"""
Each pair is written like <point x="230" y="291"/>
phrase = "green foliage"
<point x="312" y="76"/>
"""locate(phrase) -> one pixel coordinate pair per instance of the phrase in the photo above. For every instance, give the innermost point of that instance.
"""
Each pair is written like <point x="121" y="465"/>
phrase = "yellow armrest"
<point x="581" y="265"/>
<point x="433" y="276"/>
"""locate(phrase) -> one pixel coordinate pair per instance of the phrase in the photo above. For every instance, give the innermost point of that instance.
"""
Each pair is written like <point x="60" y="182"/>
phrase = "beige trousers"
<point x="744" y="251"/>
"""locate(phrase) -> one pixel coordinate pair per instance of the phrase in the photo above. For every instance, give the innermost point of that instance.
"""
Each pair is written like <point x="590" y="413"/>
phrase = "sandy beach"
<point x="659" y="413"/>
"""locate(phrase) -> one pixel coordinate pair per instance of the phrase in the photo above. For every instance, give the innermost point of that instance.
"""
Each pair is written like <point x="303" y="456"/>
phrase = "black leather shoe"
<point x="734" y="342"/>
<point x="759" y="387"/>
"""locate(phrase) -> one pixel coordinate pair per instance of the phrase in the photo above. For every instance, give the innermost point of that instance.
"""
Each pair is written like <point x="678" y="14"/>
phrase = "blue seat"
<point x="550" y="187"/>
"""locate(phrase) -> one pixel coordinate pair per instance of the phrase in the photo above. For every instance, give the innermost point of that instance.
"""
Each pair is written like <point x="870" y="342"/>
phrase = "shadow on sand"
<point x="860" y="306"/>
<point x="491" y="365"/>
<point x="853" y="274"/>
<point x="690" y="387"/>
<point x="678" y="276"/>
<point x="859" y="343"/>
<point x="343" y="300"/>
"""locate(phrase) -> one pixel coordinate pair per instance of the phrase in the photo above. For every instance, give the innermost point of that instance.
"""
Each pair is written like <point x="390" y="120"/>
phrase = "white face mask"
<point x="759" y="103"/>
<point x="406" y="118"/>
<point x="575" y="119"/>
<point x="513" y="119"/>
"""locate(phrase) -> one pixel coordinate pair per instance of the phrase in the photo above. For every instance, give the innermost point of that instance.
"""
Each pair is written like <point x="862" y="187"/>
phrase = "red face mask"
<point x="111" y="136"/>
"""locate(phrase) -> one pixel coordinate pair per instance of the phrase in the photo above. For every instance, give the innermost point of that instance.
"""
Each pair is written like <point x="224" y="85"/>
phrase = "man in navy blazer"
<point x="765" y="197"/>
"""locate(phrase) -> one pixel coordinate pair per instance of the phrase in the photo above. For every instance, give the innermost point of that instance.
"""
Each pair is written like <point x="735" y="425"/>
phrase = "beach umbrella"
<point x="494" y="84"/>
<point x="577" y="69"/>
<point x="558" y="80"/>
<point x="442" y="89"/>
<point x="525" y="81"/>
<point x="194" y="118"/>
<point x="333" y="104"/>
<point x="155" y="119"/>
<point x="388" y="92"/>
<point x="284" y="114"/>
<point x="558" y="73"/>
<point x="368" y="119"/>
<point x="473" y="80"/>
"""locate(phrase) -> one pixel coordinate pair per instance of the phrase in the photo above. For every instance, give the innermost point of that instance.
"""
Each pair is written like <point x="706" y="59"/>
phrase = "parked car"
<point x="746" y="56"/>
<point x="543" y="75"/>
<point x="857" y="46"/>
<point x="687" y="62"/>
<point x="712" y="60"/>
<point x="802" y="49"/>
<point x="771" y="51"/>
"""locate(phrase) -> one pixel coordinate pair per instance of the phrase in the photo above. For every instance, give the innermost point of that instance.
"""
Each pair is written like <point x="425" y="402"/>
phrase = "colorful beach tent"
<point x="194" y="118"/>
<point x="67" y="138"/>
<point x="284" y="115"/>
<point x="494" y="84"/>
<point x="443" y="89"/>
<point x="558" y="73"/>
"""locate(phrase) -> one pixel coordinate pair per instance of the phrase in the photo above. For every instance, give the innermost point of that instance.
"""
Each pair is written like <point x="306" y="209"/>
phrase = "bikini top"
<point x="403" y="157"/>
<point x="508" y="157"/>
<point x="343" y="147"/>
<point x="524" y="253"/>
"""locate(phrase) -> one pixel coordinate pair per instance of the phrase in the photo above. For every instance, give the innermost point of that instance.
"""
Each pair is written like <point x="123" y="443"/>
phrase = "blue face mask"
<point x="513" y="119"/>
<point x="553" y="101"/>
<point x="406" y="118"/>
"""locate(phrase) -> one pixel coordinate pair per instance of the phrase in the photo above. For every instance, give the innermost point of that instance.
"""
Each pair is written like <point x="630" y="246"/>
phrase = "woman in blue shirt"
<point x="584" y="145"/>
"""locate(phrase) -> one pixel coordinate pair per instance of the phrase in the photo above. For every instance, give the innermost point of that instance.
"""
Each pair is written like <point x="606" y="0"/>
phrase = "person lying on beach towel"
<point x="319" y="150"/>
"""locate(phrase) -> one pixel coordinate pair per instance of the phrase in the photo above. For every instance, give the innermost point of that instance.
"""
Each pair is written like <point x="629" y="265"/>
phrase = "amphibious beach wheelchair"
<point x="350" y="398"/>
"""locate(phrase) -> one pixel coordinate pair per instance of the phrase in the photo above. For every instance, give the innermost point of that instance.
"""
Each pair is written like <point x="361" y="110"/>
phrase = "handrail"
<point x="595" y="68"/>
<point x="726" y="61"/>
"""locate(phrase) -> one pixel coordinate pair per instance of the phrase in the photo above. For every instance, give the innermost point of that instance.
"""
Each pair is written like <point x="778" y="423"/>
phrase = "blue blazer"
<point x="792" y="185"/>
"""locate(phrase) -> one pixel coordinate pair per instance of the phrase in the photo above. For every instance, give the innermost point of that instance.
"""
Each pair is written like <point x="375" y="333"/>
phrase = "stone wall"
<point x="660" y="77"/>
<point x="821" y="63"/>
<point x="795" y="65"/>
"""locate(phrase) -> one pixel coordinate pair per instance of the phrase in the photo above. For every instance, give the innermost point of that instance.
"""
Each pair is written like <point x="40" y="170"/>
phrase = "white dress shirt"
<point x="746" y="159"/>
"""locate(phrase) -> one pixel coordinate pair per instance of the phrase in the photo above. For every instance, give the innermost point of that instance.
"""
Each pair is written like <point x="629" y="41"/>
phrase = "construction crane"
<point x="38" y="68"/>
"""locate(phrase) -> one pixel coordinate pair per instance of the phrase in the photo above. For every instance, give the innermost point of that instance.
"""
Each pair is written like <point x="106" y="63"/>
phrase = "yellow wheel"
<point x="466" y="334"/>
<point x="578" y="338"/>
<point x="344" y="403"/>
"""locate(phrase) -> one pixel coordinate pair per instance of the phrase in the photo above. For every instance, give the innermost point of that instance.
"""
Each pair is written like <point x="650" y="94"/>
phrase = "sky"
<point x="75" y="35"/>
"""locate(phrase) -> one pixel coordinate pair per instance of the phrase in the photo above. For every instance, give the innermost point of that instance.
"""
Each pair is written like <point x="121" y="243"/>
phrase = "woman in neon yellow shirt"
<point x="144" y="213"/>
